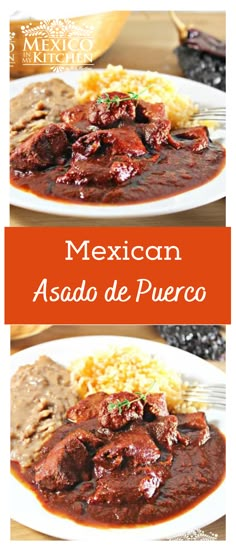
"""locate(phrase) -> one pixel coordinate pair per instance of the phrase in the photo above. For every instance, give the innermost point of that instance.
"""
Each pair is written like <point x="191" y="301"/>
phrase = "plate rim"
<point x="143" y="532"/>
<point x="193" y="198"/>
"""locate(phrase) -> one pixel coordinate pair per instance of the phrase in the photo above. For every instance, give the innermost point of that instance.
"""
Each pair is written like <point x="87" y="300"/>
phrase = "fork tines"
<point x="214" y="113"/>
<point x="210" y="394"/>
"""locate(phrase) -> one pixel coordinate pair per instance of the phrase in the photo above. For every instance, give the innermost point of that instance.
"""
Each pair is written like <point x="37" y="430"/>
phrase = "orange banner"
<point x="117" y="275"/>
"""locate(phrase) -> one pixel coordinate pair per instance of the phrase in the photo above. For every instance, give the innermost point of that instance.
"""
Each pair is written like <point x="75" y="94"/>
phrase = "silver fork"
<point x="214" y="395"/>
<point x="214" y="114"/>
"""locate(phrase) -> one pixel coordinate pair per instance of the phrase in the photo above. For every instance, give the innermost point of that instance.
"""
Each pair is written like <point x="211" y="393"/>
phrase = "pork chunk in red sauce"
<point x="111" y="108"/>
<point x="83" y="174"/>
<point x="72" y="133"/>
<point x="120" y="141"/>
<point x="150" y="112"/>
<point x="68" y="461"/>
<point x="155" y="404"/>
<point x="155" y="133"/>
<point x="66" y="464"/>
<point x="114" y="417"/>
<point x="87" y="408"/>
<point x="196" y="138"/>
<point x="134" y="447"/>
<point x="124" y="169"/>
<point x="45" y="148"/>
<point x="164" y="431"/>
<point x="196" y="422"/>
<point x="126" y="487"/>
<point x="76" y="114"/>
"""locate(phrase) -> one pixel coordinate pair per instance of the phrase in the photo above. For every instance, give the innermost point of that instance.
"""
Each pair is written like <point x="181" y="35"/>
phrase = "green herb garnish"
<point x="127" y="403"/>
<point x="117" y="100"/>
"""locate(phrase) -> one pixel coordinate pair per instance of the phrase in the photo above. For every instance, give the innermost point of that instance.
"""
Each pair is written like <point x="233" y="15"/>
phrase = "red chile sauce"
<point x="115" y="150"/>
<point x="175" y="172"/>
<point x="195" y="473"/>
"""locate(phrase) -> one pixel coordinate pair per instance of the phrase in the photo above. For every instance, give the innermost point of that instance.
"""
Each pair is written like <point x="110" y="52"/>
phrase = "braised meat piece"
<point x="117" y="171"/>
<point x="111" y="108"/>
<point x="66" y="464"/>
<point x="75" y="114"/>
<point x="164" y="431"/>
<point x="68" y="461"/>
<point x="125" y="141"/>
<point x="77" y="118"/>
<point x="87" y="408"/>
<point x="196" y="420"/>
<point x="124" y="169"/>
<point x="88" y="438"/>
<point x="121" y="141"/>
<point x="155" y="133"/>
<point x="71" y="132"/>
<point x="134" y="447"/>
<point x="150" y="112"/>
<point x="128" y="486"/>
<point x="198" y="423"/>
<point x="86" y="173"/>
<point x="155" y="405"/>
<point x="87" y="145"/>
<point x="114" y="417"/>
<point x="196" y="138"/>
<point x="45" y="148"/>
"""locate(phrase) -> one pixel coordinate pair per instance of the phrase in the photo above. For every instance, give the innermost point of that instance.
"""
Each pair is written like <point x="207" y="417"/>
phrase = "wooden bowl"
<point x="26" y="57"/>
<point x="24" y="331"/>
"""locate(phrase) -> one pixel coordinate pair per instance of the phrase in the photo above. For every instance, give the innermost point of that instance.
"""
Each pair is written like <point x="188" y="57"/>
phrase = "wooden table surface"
<point x="146" y="42"/>
<point x="19" y="532"/>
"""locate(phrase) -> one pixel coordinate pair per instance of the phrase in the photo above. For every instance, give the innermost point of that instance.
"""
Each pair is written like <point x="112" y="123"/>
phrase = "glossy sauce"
<point x="196" y="472"/>
<point x="175" y="172"/>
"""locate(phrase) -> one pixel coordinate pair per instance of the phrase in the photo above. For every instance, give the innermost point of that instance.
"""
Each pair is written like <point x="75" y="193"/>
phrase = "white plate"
<point x="207" y="193"/>
<point x="26" y="509"/>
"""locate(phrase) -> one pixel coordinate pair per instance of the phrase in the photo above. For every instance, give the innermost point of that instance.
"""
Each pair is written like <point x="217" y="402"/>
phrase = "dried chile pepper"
<point x="202" y="57"/>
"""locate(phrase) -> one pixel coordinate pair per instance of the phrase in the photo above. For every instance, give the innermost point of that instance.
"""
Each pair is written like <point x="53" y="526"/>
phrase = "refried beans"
<point x="41" y="394"/>
<point x="38" y="104"/>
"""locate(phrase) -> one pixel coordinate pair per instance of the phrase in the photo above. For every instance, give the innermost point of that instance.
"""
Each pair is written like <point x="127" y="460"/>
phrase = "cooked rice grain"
<point x="151" y="85"/>
<point x="127" y="369"/>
